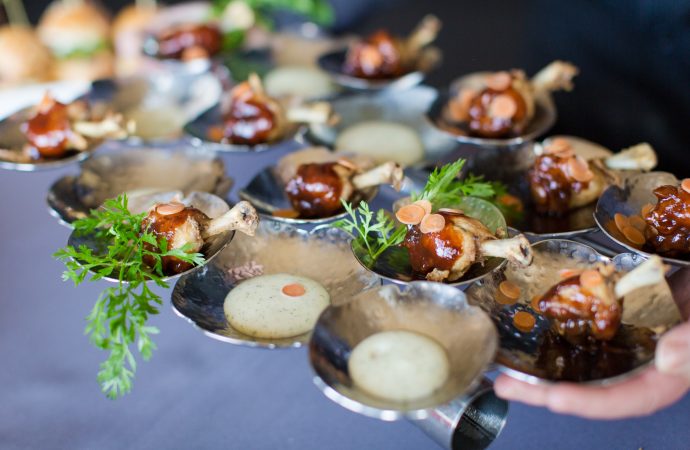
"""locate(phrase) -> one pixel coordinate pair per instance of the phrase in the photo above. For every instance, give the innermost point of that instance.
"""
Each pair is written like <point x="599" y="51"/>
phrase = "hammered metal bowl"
<point x="390" y="106"/>
<point x="332" y="63"/>
<point x="394" y="263"/>
<point x="543" y="120"/>
<point x="211" y="205"/>
<point x="117" y="168"/>
<point x="438" y="311"/>
<point x="538" y="356"/>
<point x="323" y="256"/>
<point x="628" y="200"/>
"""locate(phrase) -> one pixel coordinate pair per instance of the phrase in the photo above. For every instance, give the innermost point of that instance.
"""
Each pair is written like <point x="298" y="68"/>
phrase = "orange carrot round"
<point x="410" y="214"/>
<point x="432" y="223"/>
<point x="294" y="290"/>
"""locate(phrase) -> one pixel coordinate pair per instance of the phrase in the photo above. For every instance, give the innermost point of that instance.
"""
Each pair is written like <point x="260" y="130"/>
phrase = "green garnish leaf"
<point x="118" y="319"/>
<point x="320" y="11"/>
<point x="373" y="232"/>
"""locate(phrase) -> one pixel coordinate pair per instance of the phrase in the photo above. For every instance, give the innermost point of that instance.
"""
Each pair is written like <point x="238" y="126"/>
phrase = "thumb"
<point x="673" y="352"/>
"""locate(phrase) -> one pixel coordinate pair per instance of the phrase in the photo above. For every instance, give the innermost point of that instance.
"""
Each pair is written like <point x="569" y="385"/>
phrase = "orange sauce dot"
<point x="524" y="321"/>
<point x="509" y="289"/>
<point x="501" y="298"/>
<point x="294" y="290"/>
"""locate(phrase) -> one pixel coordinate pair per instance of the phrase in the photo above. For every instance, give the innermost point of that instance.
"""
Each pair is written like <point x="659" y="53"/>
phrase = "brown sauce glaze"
<point x="668" y="232"/>
<point x="49" y="129"/>
<point x="315" y="190"/>
<point x="378" y="57"/>
<point x="551" y="187"/>
<point x="577" y="314"/>
<point x="164" y="226"/>
<point x="429" y="251"/>
<point x="483" y="124"/>
<point x="174" y="42"/>
<point x="249" y="121"/>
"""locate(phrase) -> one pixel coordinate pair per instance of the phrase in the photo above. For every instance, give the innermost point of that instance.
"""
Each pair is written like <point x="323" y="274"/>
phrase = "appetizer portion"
<point x="188" y="41"/>
<point x="187" y="228"/>
<point x="25" y="58"/>
<point x="275" y="306"/>
<point x="438" y="243"/>
<point x="383" y="56"/>
<point x="502" y="104"/>
<point x="399" y="365"/>
<point x="562" y="180"/>
<point x="589" y="305"/>
<point x="668" y="222"/>
<point x="251" y="117"/>
<point x="319" y="189"/>
<point x="55" y="130"/>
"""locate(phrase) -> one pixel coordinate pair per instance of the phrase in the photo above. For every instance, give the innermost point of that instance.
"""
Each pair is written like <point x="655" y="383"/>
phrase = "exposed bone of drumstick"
<point x="387" y="173"/>
<point x="648" y="273"/>
<point x="424" y="34"/>
<point x="517" y="249"/>
<point x="317" y="113"/>
<point x="255" y="83"/>
<point x="638" y="157"/>
<point x="556" y="76"/>
<point x="242" y="217"/>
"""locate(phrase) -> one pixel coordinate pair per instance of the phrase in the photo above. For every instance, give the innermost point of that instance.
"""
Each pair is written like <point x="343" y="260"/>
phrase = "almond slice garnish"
<point x="425" y="204"/>
<point x="621" y="221"/>
<point x="347" y="164"/>
<point x="450" y="211"/>
<point x="167" y="209"/>
<point x="499" y="81"/>
<point x="432" y="223"/>
<point x="294" y="290"/>
<point x="510" y="289"/>
<point x="567" y="273"/>
<point x="578" y="169"/>
<point x="503" y="107"/>
<point x="591" y="278"/>
<point x="410" y="214"/>
<point x="646" y="209"/>
<point x="633" y="235"/>
<point x="685" y="185"/>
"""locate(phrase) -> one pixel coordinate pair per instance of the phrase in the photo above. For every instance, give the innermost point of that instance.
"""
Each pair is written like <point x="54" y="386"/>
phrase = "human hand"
<point x="654" y="389"/>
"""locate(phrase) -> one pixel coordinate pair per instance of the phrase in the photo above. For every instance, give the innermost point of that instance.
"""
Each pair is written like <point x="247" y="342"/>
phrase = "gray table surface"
<point x="197" y="392"/>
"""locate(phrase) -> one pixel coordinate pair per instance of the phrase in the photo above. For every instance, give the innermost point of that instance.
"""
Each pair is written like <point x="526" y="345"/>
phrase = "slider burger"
<point x="129" y="33"/>
<point x="78" y="34"/>
<point x="24" y="57"/>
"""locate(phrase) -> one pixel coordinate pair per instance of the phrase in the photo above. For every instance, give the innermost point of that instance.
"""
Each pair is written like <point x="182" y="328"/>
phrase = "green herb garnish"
<point x="320" y="11"/>
<point x="118" y="319"/>
<point x="375" y="233"/>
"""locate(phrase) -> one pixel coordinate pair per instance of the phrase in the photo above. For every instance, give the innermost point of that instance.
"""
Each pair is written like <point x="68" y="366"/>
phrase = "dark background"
<point x="634" y="57"/>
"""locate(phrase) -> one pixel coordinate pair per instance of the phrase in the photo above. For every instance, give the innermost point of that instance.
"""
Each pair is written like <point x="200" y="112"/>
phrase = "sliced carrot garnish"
<point x="167" y="209"/>
<point x="286" y="213"/>
<point x="410" y="214"/>
<point x="499" y="81"/>
<point x="432" y="223"/>
<point x="621" y="221"/>
<point x="294" y="290"/>
<point x="524" y="321"/>
<point x="509" y="289"/>
<point x="425" y="204"/>
<point x="591" y="278"/>
<point x="535" y="304"/>
<point x="503" y="107"/>
<point x="646" y="209"/>
<point x="685" y="184"/>
<point x="633" y="235"/>
<point x="637" y="222"/>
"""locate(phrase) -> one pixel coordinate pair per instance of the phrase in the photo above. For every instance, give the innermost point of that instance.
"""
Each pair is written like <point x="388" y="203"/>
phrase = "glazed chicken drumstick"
<point x="590" y="304"/>
<point x="318" y="189"/>
<point x="182" y="225"/>
<point x="382" y="56"/>
<point x="668" y="222"/>
<point x="251" y="117"/>
<point x="444" y="245"/>
<point x="560" y="180"/>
